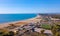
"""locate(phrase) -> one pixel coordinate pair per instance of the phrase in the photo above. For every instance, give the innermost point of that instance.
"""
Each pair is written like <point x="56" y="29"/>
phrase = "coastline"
<point x="21" y="22"/>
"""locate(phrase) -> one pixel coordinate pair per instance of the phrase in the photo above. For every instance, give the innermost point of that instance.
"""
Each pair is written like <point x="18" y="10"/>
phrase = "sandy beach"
<point x="22" y="22"/>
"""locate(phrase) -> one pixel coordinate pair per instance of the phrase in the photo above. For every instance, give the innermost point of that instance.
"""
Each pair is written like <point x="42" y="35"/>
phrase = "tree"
<point x="11" y="33"/>
<point x="42" y="33"/>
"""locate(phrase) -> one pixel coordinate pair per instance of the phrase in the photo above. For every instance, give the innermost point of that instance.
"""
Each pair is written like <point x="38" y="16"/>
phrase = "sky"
<point x="29" y="6"/>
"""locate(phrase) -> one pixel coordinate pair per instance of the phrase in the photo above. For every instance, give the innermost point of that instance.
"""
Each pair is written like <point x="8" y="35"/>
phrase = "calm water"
<point x="4" y="18"/>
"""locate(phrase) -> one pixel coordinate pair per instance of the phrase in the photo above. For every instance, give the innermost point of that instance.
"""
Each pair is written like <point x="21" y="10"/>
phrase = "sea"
<point x="5" y="18"/>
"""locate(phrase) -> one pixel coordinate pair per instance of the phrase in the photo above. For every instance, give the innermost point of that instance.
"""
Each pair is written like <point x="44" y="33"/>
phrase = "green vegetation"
<point x="56" y="30"/>
<point x="5" y="32"/>
<point x="46" y="26"/>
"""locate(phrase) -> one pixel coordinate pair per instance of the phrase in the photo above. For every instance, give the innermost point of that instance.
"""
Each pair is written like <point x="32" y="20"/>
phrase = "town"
<point x="46" y="26"/>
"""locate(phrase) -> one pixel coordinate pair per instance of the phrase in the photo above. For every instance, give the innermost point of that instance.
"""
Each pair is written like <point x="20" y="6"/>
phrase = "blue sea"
<point x="4" y="18"/>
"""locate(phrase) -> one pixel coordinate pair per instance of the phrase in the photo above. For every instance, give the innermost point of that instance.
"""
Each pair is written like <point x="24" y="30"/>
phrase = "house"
<point x="48" y="32"/>
<point x="38" y="29"/>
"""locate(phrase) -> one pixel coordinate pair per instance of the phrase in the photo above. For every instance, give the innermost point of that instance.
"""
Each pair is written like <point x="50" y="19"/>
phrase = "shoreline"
<point x="21" y="22"/>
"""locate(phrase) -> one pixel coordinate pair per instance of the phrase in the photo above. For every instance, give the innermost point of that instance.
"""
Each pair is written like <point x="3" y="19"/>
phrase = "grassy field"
<point x="46" y="26"/>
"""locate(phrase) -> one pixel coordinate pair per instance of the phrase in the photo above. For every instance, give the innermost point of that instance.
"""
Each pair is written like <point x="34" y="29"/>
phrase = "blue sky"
<point x="29" y="6"/>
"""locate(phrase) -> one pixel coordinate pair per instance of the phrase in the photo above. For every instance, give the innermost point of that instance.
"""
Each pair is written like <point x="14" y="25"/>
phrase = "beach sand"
<point x="18" y="23"/>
